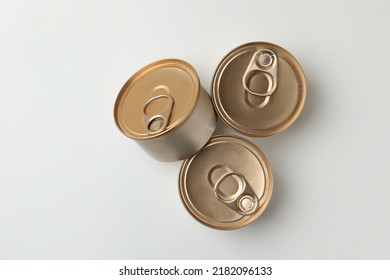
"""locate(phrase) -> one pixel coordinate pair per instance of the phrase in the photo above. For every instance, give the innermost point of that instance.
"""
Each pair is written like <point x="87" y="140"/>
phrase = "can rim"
<point x="267" y="173"/>
<point x="225" y="117"/>
<point x="144" y="71"/>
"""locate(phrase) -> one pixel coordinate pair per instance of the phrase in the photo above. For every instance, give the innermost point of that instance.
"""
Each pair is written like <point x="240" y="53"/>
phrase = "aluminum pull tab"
<point x="155" y="124"/>
<point x="244" y="200"/>
<point x="264" y="61"/>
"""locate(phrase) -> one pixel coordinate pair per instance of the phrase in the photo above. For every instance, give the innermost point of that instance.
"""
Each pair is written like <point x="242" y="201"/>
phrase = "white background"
<point x="72" y="186"/>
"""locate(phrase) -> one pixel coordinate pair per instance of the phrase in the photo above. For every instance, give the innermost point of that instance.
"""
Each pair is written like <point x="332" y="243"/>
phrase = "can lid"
<point x="258" y="89"/>
<point x="227" y="184"/>
<point x="156" y="99"/>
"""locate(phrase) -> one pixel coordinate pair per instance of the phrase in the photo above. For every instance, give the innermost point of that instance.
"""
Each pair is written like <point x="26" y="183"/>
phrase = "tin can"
<point x="164" y="108"/>
<point x="227" y="184"/>
<point x="258" y="89"/>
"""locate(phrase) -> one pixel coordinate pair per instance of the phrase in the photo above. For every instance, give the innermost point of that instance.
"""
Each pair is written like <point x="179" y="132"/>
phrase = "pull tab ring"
<point x="157" y="123"/>
<point x="240" y="190"/>
<point x="266" y="62"/>
<point x="244" y="201"/>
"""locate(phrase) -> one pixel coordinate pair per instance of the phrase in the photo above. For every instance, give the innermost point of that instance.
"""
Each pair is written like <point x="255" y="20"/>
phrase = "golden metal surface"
<point x="165" y="110"/>
<point x="154" y="124"/>
<point x="171" y="76"/>
<point x="227" y="184"/>
<point x="258" y="89"/>
<point x="265" y="62"/>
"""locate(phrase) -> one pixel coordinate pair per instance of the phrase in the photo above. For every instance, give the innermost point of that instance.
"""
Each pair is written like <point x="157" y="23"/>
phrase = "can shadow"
<point x="277" y="199"/>
<point x="271" y="148"/>
<point x="307" y="116"/>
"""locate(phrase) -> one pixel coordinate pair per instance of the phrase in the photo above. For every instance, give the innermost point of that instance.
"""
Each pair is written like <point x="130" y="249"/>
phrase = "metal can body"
<point x="186" y="139"/>
<point x="227" y="184"/>
<point x="259" y="89"/>
<point x="165" y="110"/>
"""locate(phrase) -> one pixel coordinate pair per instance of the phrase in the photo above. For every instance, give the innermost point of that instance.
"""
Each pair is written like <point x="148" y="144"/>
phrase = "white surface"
<point x="72" y="186"/>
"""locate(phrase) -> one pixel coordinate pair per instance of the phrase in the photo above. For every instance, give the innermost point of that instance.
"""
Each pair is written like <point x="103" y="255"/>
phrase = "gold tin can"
<point x="258" y="89"/>
<point x="227" y="184"/>
<point x="164" y="108"/>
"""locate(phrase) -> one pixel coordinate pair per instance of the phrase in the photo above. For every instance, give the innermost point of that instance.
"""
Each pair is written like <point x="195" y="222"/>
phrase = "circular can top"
<point x="227" y="184"/>
<point x="258" y="89"/>
<point x="156" y="99"/>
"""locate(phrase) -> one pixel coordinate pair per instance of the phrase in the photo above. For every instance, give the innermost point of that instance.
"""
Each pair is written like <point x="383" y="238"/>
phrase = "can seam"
<point x="268" y="175"/>
<point x="225" y="117"/>
<point x="137" y="76"/>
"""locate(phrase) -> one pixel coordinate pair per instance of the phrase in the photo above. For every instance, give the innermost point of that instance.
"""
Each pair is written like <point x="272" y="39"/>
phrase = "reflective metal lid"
<point x="227" y="184"/>
<point x="258" y="89"/>
<point x="156" y="99"/>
